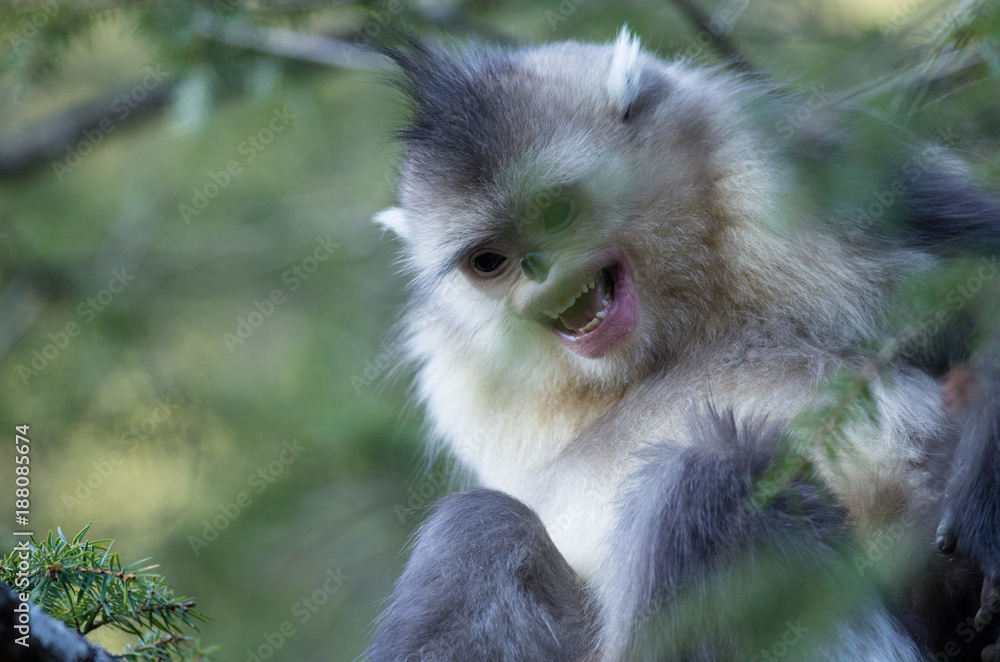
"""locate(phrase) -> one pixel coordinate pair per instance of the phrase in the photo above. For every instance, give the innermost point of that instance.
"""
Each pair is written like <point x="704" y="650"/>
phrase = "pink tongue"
<point x="586" y="307"/>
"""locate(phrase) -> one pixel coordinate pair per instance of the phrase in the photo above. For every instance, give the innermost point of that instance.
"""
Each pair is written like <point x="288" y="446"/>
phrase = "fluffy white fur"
<point x="623" y="76"/>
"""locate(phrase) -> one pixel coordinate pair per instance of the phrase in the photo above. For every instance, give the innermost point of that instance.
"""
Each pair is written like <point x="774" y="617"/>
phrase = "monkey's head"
<point x="574" y="205"/>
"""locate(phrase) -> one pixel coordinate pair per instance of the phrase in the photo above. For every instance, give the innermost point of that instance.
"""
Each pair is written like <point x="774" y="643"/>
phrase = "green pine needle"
<point x="84" y="584"/>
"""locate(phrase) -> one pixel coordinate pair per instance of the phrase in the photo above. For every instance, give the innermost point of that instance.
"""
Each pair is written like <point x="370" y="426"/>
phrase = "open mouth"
<point x="585" y="312"/>
<point x="602" y="314"/>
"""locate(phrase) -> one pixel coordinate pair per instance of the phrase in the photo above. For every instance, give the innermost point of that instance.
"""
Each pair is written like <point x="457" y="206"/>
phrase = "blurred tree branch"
<point x="289" y="44"/>
<point x="720" y="42"/>
<point x="23" y="150"/>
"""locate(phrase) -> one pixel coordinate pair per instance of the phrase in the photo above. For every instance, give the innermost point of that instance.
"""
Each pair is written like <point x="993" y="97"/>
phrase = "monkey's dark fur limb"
<point x="946" y="215"/>
<point x="485" y="582"/>
<point x="672" y="538"/>
<point x="686" y="594"/>
<point x="971" y="517"/>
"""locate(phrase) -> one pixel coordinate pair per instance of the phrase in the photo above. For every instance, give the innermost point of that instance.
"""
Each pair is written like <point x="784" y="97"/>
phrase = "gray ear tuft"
<point x="393" y="219"/>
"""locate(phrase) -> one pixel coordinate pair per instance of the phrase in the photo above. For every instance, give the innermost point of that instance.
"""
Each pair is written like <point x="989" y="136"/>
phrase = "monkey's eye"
<point x="558" y="215"/>
<point x="487" y="263"/>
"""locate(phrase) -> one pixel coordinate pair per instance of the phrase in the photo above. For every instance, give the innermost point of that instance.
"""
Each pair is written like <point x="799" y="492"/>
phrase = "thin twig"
<point x="720" y="42"/>
<point x="289" y="43"/>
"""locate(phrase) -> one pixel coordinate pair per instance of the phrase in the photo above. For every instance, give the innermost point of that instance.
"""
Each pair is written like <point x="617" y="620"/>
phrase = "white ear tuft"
<point x="623" y="75"/>
<point x="393" y="219"/>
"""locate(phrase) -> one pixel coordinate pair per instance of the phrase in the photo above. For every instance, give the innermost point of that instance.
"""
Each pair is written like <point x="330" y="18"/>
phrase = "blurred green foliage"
<point x="195" y="309"/>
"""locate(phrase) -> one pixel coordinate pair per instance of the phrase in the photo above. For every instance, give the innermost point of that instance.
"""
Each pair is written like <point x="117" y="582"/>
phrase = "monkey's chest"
<point x="579" y="512"/>
<point x="577" y="493"/>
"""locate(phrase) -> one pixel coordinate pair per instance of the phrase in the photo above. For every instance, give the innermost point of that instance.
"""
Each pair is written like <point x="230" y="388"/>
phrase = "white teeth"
<point x="568" y="303"/>
<point x="598" y="318"/>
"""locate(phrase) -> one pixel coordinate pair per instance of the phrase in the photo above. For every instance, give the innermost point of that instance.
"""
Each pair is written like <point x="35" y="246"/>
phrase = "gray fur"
<point x="946" y="214"/>
<point x="693" y="529"/>
<point x="460" y="128"/>
<point x="484" y="582"/>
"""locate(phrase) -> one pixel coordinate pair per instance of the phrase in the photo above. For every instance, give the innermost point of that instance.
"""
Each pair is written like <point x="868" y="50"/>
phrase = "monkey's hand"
<point x="989" y="605"/>
<point x="970" y="524"/>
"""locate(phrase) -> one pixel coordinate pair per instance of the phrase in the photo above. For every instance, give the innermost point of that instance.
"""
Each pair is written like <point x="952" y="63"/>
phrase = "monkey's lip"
<point x="603" y="316"/>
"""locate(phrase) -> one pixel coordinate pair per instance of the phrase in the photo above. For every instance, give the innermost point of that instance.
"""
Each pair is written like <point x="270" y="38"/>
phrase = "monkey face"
<point x="546" y="267"/>
<point x="568" y="201"/>
<point x="555" y="268"/>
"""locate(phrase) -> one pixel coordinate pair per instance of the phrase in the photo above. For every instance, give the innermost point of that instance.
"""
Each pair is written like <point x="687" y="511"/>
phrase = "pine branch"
<point x="84" y="585"/>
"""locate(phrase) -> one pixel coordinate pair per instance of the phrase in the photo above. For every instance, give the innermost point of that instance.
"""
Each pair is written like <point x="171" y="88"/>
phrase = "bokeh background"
<point x="195" y="309"/>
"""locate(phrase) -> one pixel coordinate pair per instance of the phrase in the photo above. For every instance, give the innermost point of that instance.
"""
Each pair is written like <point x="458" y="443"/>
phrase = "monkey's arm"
<point x="485" y="582"/>
<point x="946" y="215"/>
<point x="709" y="542"/>
<point x="970" y="524"/>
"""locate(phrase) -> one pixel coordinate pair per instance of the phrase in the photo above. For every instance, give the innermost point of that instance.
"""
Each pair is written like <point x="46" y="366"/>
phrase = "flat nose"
<point x="536" y="266"/>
